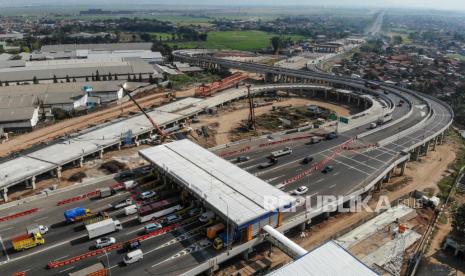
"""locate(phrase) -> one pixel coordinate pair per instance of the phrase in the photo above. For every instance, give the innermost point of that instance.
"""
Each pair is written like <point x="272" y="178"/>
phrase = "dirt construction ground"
<point x="230" y="120"/>
<point x="422" y="174"/>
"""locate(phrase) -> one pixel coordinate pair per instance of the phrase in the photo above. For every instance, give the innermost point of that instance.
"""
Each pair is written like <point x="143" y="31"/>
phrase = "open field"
<point x="234" y="40"/>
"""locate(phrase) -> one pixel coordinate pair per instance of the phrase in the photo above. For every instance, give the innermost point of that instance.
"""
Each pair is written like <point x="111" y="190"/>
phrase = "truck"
<point x="27" y="241"/>
<point x="98" y="217"/>
<point x="222" y="240"/>
<point x="159" y="209"/>
<point x="95" y="269"/>
<point x="268" y="164"/>
<point x="315" y="139"/>
<point x="122" y="203"/>
<point x="282" y="152"/>
<point x="77" y="214"/>
<point x="103" y="227"/>
<point x="105" y="192"/>
<point x="213" y="230"/>
<point x="36" y="228"/>
<point x="386" y="118"/>
<point x="130" y="184"/>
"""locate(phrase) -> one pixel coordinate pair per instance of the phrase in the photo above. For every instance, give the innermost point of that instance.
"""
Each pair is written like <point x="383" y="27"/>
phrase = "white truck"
<point x="386" y="118"/>
<point x="279" y="153"/>
<point x="36" y="228"/>
<point x="316" y="139"/>
<point x="103" y="227"/>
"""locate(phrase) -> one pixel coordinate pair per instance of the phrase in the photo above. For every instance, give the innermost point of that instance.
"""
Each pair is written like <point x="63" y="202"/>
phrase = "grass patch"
<point x="180" y="81"/>
<point x="235" y="40"/>
<point x="405" y="38"/>
<point x="164" y="36"/>
<point x="457" y="56"/>
<point x="447" y="182"/>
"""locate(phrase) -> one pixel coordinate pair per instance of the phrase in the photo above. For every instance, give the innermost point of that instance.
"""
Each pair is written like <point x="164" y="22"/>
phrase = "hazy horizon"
<point x="418" y="4"/>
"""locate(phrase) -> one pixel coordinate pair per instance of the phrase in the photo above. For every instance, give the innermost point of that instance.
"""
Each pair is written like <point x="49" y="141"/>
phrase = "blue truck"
<point x="77" y="214"/>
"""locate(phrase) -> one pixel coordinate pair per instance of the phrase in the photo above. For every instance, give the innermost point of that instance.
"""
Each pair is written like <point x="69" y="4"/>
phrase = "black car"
<point x="131" y="245"/>
<point x="307" y="160"/>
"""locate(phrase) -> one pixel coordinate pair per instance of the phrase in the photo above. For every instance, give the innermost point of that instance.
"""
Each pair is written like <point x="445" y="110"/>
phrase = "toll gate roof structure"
<point x="230" y="191"/>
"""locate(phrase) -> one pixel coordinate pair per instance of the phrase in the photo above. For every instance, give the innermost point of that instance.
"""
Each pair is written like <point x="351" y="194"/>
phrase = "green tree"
<point x="276" y="44"/>
<point x="397" y="40"/>
<point x="97" y="76"/>
<point x="35" y="80"/>
<point x="55" y="80"/>
<point x="459" y="219"/>
<point x="67" y="78"/>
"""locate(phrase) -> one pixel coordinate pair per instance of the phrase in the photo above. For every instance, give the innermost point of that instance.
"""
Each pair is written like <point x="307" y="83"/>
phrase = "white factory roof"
<point x="328" y="259"/>
<point x="232" y="192"/>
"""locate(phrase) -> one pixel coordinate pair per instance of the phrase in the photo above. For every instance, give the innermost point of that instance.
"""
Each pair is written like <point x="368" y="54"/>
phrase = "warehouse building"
<point x="66" y="70"/>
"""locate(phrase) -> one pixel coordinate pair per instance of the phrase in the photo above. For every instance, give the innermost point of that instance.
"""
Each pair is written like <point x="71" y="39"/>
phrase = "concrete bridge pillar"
<point x="33" y="182"/>
<point x="5" y="194"/>
<point x="348" y="98"/>
<point x="403" y="165"/>
<point x="388" y="176"/>
<point x="119" y="145"/>
<point x="58" y="172"/>
<point x="164" y="180"/>
<point x="81" y="161"/>
<point x="415" y="154"/>
<point x="358" y="101"/>
<point x="100" y="154"/>
<point x="326" y="94"/>
<point x="426" y="148"/>
<point x="338" y="96"/>
<point x="365" y="102"/>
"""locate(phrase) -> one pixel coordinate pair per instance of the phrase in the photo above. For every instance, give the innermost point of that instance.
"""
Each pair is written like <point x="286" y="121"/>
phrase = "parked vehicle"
<point x="77" y="214"/>
<point x="327" y="169"/>
<point x="130" y="184"/>
<point x="300" y="191"/>
<point x="98" y="217"/>
<point x="147" y="194"/>
<point x="131" y="245"/>
<point x="279" y="153"/>
<point x="307" y="160"/>
<point x="158" y="209"/>
<point x="242" y="159"/>
<point x="213" y="231"/>
<point x="152" y="227"/>
<point x="122" y="203"/>
<point x="386" y="118"/>
<point x="104" y="242"/>
<point x="27" y="241"/>
<point x="315" y="139"/>
<point x="268" y="164"/>
<point x="105" y="192"/>
<point x="95" y="269"/>
<point x="171" y="219"/>
<point x="103" y="227"/>
<point x="206" y="216"/>
<point x="133" y="256"/>
<point x="36" y="228"/>
<point x="131" y="209"/>
<point x="331" y="136"/>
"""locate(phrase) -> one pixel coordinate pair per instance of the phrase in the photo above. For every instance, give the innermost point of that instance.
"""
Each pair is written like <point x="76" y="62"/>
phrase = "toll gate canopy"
<point x="228" y="190"/>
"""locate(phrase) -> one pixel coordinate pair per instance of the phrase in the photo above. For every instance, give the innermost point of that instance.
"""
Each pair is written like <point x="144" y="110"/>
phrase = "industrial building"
<point x="21" y="106"/>
<point x="74" y="69"/>
<point x="245" y="202"/>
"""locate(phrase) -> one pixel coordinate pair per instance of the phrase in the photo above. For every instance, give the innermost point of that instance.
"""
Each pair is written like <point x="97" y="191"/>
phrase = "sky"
<point x="424" y="4"/>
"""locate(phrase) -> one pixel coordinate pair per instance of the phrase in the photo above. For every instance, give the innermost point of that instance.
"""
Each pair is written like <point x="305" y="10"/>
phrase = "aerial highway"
<point x="416" y="126"/>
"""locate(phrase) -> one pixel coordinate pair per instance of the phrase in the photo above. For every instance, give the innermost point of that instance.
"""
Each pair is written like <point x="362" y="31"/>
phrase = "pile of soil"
<point x="77" y="177"/>
<point x="113" y="166"/>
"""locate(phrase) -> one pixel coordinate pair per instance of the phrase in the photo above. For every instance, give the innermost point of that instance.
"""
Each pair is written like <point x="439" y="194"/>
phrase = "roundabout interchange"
<point x="362" y="159"/>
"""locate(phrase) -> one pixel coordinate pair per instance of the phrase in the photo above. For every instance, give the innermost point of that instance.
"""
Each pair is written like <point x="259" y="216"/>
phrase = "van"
<point x="206" y="216"/>
<point x="131" y="209"/>
<point x="172" y="219"/>
<point x="130" y="184"/>
<point x="133" y="256"/>
<point x="315" y="139"/>
<point x="152" y="227"/>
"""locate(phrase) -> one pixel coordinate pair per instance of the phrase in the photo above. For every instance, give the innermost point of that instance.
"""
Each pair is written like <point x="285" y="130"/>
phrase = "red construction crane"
<point x="210" y="89"/>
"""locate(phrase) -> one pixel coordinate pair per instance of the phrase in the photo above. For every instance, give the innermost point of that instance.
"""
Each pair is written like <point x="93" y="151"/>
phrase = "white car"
<point x="300" y="191"/>
<point x="104" y="242"/>
<point x="146" y="195"/>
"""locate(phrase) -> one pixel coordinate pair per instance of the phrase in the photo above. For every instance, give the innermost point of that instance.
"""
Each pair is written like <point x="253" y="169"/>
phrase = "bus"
<point x="158" y="209"/>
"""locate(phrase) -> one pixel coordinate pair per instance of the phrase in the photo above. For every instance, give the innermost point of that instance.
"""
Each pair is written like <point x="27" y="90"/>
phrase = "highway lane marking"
<point x="42" y="218"/>
<point x="134" y="231"/>
<point x="336" y="173"/>
<point x="332" y="186"/>
<point x="274" y="178"/>
<point x="6" y="229"/>
<point x="349" y="158"/>
<point x="320" y="180"/>
<point x="111" y="267"/>
<point x="349" y="166"/>
<point x="47" y="248"/>
<point x="61" y="258"/>
<point x="69" y="268"/>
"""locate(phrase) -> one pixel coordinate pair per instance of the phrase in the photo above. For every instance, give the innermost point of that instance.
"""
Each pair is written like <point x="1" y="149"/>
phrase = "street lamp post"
<point x="4" y="249"/>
